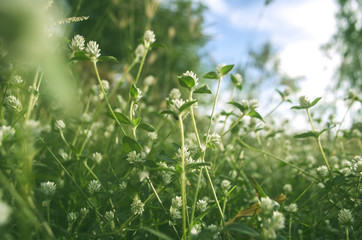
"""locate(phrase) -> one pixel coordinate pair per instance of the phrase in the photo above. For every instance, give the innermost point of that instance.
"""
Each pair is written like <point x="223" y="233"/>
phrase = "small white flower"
<point x="287" y="188"/>
<point x="137" y="206"/>
<point x="201" y="205"/>
<point x="267" y="204"/>
<point x="13" y="103"/>
<point x="304" y="102"/>
<point x="225" y="185"/>
<point x="93" y="51"/>
<point x="193" y="75"/>
<point x="149" y="38"/>
<point x="105" y="85"/>
<point x="16" y="79"/>
<point x="77" y="43"/>
<point x="175" y="213"/>
<point x="176" y="202"/>
<point x="123" y="185"/>
<point x="72" y="217"/>
<point x="143" y="175"/>
<point x="48" y="188"/>
<point x="277" y="221"/>
<point x="109" y="216"/>
<point x="134" y="157"/>
<point x="175" y="94"/>
<point x="84" y="211"/>
<point x="97" y="157"/>
<point x="176" y="104"/>
<point x="152" y="136"/>
<point x="322" y="170"/>
<point x="149" y="80"/>
<point x="345" y="217"/>
<point x="94" y="186"/>
<point x="253" y="104"/>
<point x="140" y="50"/>
<point x="59" y="125"/>
<point x="219" y="67"/>
<point x="292" y="208"/>
<point x="5" y="212"/>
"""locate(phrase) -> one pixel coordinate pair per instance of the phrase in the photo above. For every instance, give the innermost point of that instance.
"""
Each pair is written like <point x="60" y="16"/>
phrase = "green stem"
<point x="141" y="66"/>
<point x="213" y="110"/>
<point x="290" y="228"/>
<point x="347" y="233"/>
<point x="276" y="107"/>
<point x="183" y="179"/>
<point x="32" y="96"/>
<point x="233" y="125"/>
<point x="310" y="120"/>
<point x="227" y="116"/>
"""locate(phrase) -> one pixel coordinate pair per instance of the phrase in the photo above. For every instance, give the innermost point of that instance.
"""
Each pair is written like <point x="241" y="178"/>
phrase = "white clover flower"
<point x="292" y="208"/>
<point x="322" y="170"/>
<point x="48" y="188"/>
<point x="59" y="125"/>
<point x="13" y="103"/>
<point x="94" y="186"/>
<point x="201" y="205"/>
<point x="137" y="206"/>
<point x="176" y="202"/>
<point x="304" y="102"/>
<point x="175" y="94"/>
<point x="176" y="104"/>
<point x="193" y="75"/>
<point x="72" y="217"/>
<point x="97" y="157"/>
<point x="105" y="85"/>
<point x="143" y="175"/>
<point x="267" y="204"/>
<point x="253" y="104"/>
<point x="175" y="213"/>
<point x="92" y="51"/>
<point x="225" y="185"/>
<point x="345" y="217"/>
<point x="77" y="43"/>
<point x="277" y="221"/>
<point x="16" y="79"/>
<point x="5" y="211"/>
<point x="134" y="157"/>
<point x="149" y="38"/>
<point x="152" y="136"/>
<point x="287" y="188"/>
<point x="109" y="216"/>
<point x="84" y="212"/>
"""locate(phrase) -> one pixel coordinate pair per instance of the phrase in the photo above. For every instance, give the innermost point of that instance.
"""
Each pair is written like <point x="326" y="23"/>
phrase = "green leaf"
<point x="186" y="105"/>
<point x="107" y="59"/>
<point x="238" y="105"/>
<point x="79" y="55"/>
<point x="74" y="150"/>
<point x="133" y="91"/>
<point x="136" y="121"/>
<point x="297" y="107"/>
<point x="120" y="117"/>
<point x="306" y="135"/>
<point x="241" y="228"/>
<point x="146" y="126"/>
<point x="236" y="82"/>
<point x="129" y="144"/>
<point x="165" y="158"/>
<point x="258" y="189"/>
<point x="186" y="81"/>
<point x="226" y="69"/>
<point x="255" y="114"/>
<point x="315" y="101"/>
<point x="203" y="89"/>
<point x="280" y="93"/>
<point x="211" y="75"/>
<point x="159" y="45"/>
<point x="166" y="111"/>
<point x="157" y="233"/>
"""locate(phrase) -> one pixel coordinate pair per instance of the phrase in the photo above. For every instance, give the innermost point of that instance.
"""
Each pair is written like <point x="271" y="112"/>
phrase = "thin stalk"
<point x="213" y="110"/>
<point x="105" y="95"/>
<point x="141" y="66"/>
<point x="347" y="233"/>
<point x="227" y="117"/>
<point x="290" y="227"/>
<point x="32" y="96"/>
<point x="183" y="179"/>
<point x="273" y="110"/>
<point x="233" y="125"/>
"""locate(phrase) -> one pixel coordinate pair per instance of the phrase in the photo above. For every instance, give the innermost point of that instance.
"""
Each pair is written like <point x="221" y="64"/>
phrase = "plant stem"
<point x="347" y="233"/>
<point x="233" y="125"/>
<point x="141" y="66"/>
<point x="183" y="179"/>
<point x="213" y="110"/>
<point x="32" y="96"/>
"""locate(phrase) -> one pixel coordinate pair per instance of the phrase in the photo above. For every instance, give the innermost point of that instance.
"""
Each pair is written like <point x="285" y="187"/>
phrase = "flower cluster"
<point x="137" y="206"/>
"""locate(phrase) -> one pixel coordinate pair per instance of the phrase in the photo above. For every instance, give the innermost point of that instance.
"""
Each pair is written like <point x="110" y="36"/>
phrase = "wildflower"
<point x="97" y="157"/>
<point x="149" y="38"/>
<point x="238" y="80"/>
<point x="6" y="132"/>
<point x="77" y="43"/>
<point x="94" y="186"/>
<point x="175" y="94"/>
<point x="123" y="185"/>
<point x="277" y="221"/>
<point x="137" y="206"/>
<point x="134" y="157"/>
<point x="267" y="204"/>
<point x="48" y="188"/>
<point x="143" y="175"/>
<point x="304" y="102"/>
<point x="253" y="104"/>
<point x="86" y="118"/>
<point x="16" y="79"/>
<point x="59" y="125"/>
<point x="225" y="185"/>
<point x="93" y="51"/>
<point x="219" y="67"/>
<point x="345" y="217"/>
<point x="191" y="74"/>
<point x="72" y="217"/>
<point x="139" y="52"/>
<point x="176" y="104"/>
<point x="109" y="216"/>
<point x="149" y="80"/>
<point x="287" y="188"/>
<point x="215" y="138"/>
<point x="105" y="85"/>
<point x="322" y="170"/>
<point x="175" y="213"/>
<point x="201" y="205"/>
<point x="152" y="136"/>
<point x="13" y="103"/>
<point x="166" y="177"/>
<point x="84" y="212"/>
<point x="176" y="202"/>
<point x="292" y="208"/>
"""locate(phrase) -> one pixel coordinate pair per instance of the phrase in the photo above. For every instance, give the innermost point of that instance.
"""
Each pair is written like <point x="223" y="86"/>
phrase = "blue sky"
<point x="296" y="28"/>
